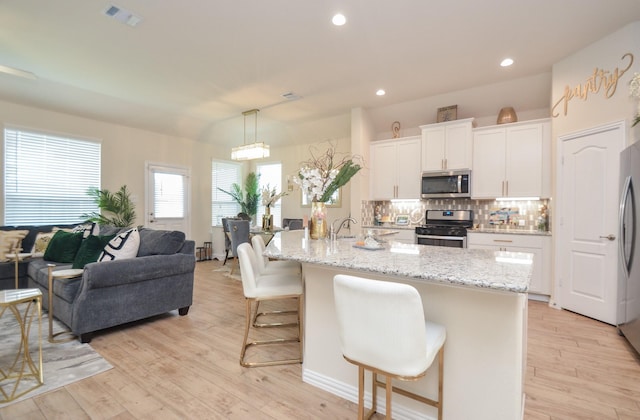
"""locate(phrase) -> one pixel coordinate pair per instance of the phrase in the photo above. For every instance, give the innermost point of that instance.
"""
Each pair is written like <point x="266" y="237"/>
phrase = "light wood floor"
<point x="187" y="367"/>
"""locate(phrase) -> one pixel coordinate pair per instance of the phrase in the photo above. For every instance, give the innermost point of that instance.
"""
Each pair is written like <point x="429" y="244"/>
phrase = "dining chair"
<point x="238" y="234"/>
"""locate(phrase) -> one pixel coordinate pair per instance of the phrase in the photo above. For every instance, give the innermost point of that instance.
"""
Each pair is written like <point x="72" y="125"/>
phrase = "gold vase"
<point x="507" y="115"/>
<point x="318" y="220"/>
<point x="267" y="219"/>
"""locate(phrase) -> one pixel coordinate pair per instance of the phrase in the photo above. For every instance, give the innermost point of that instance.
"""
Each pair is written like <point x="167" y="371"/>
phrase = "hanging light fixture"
<point x="254" y="150"/>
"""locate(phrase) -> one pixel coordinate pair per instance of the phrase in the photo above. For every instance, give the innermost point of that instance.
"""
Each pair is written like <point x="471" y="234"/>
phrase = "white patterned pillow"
<point x="123" y="246"/>
<point x="87" y="229"/>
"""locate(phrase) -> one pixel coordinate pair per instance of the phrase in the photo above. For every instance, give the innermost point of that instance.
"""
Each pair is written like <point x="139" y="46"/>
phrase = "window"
<point x="168" y="195"/>
<point x="46" y="178"/>
<point x="223" y="175"/>
<point x="271" y="177"/>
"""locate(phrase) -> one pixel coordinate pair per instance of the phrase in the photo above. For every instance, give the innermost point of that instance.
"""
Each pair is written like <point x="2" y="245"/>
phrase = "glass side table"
<point x="23" y="374"/>
<point x="58" y="275"/>
<point x="18" y="256"/>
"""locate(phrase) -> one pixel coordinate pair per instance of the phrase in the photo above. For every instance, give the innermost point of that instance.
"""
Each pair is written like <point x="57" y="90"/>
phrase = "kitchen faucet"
<point x="334" y="232"/>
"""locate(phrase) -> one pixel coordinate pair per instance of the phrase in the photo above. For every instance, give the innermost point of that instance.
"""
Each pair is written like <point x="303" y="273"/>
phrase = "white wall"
<point x="605" y="54"/>
<point x="124" y="153"/>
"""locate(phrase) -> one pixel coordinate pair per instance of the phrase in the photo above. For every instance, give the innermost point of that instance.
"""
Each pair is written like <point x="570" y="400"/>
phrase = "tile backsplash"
<point x="525" y="214"/>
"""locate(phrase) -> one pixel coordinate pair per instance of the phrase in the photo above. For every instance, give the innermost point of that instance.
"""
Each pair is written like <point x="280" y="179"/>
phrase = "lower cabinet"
<point x="538" y="245"/>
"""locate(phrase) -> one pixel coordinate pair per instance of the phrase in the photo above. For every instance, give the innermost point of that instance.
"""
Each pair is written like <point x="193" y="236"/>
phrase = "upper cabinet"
<point x="447" y="145"/>
<point x="395" y="169"/>
<point x="512" y="160"/>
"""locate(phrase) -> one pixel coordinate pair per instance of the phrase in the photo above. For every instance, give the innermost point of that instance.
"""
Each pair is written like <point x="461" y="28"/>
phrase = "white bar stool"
<point x="265" y="266"/>
<point x="382" y="329"/>
<point x="258" y="288"/>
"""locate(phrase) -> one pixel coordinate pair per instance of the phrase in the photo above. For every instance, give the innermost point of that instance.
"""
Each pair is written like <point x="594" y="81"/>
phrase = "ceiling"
<point x="193" y="64"/>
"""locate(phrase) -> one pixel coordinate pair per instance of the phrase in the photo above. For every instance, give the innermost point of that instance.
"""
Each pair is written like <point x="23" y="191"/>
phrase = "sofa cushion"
<point x="90" y="249"/>
<point x="9" y="241"/>
<point x="121" y="247"/>
<point x="111" y="230"/>
<point x="63" y="247"/>
<point x="160" y="242"/>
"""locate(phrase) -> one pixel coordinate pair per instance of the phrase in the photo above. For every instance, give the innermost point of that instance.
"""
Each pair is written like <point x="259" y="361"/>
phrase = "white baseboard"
<point x="350" y="393"/>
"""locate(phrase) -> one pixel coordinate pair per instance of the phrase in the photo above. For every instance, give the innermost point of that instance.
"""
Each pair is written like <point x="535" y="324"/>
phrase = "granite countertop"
<point x="477" y="268"/>
<point x="509" y="231"/>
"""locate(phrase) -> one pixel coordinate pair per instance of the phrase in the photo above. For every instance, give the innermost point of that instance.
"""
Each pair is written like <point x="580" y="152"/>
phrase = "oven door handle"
<point x="446" y="238"/>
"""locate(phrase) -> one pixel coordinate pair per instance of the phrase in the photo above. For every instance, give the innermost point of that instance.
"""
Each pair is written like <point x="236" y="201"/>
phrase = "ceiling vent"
<point x="290" y="96"/>
<point x="122" y="15"/>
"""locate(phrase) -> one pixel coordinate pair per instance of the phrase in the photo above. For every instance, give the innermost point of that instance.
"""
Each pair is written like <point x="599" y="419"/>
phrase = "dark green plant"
<point x="249" y="198"/>
<point x="116" y="209"/>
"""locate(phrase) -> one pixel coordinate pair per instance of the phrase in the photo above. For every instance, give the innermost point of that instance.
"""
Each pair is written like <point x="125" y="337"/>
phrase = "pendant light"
<point x="255" y="150"/>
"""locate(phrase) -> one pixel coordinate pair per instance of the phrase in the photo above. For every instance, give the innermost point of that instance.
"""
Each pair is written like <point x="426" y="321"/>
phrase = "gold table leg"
<point x="23" y="368"/>
<point x="52" y="336"/>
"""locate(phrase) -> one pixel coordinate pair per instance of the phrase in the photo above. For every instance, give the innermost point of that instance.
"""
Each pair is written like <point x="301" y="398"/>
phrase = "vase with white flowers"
<point x="269" y="197"/>
<point x="634" y="88"/>
<point x="319" y="178"/>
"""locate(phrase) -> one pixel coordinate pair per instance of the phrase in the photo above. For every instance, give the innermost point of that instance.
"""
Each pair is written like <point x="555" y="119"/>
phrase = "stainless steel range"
<point x="445" y="228"/>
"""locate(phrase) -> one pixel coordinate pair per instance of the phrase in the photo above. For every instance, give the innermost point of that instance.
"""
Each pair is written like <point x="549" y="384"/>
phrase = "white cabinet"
<point x="538" y="245"/>
<point x="447" y="146"/>
<point x="395" y="169"/>
<point x="512" y="160"/>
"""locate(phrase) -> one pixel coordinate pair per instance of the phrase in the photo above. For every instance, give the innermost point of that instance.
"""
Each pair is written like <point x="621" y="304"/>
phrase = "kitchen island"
<point x="478" y="295"/>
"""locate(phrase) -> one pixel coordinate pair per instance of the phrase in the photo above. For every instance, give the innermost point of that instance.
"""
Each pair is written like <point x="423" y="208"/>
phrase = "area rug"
<point x="63" y="363"/>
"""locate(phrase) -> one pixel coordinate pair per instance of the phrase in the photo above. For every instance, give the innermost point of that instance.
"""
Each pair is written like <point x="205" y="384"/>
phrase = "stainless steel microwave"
<point x="446" y="184"/>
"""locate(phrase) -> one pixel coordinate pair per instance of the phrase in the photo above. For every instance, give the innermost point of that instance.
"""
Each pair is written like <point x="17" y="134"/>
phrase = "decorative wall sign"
<point x="599" y="80"/>
<point x="447" y="113"/>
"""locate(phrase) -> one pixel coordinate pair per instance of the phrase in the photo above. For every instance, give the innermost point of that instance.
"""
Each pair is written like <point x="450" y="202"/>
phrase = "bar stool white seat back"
<point x="382" y="329"/>
<point x="268" y="267"/>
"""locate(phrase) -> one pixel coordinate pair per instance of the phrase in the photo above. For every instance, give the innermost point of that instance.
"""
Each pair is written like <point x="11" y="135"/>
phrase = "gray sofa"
<point x="111" y="293"/>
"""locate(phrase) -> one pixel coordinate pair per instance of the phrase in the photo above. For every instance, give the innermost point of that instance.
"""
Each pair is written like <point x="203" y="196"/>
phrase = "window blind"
<point x="168" y="195"/>
<point x="46" y="178"/>
<point x="223" y="175"/>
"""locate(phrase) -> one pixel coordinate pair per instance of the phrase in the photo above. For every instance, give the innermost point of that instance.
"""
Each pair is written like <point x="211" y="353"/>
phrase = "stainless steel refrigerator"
<point x="629" y="253"/>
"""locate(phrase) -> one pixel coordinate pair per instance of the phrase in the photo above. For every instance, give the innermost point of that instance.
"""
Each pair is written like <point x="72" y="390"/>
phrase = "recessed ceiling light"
<point x="506" y="62"/>
<point x="380" y="92"/>
<point x="339" y="19"/>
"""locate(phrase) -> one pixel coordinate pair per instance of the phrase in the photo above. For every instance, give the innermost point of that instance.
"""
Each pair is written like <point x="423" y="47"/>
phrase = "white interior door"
<point x="168" y="198"/>
<point x="587" y="197"/>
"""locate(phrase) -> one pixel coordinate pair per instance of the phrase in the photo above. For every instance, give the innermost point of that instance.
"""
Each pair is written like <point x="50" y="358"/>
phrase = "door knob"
<point x="610" y="237"/>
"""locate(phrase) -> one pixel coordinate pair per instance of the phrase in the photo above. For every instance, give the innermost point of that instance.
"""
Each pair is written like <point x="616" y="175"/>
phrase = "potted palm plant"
<point x="249" y="198"/>
<point x="116" y="209"/>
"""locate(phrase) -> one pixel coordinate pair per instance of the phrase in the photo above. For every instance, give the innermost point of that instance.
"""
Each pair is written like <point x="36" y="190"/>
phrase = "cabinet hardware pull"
<point x="507" y="188"/>
<point x="503" y="240"/>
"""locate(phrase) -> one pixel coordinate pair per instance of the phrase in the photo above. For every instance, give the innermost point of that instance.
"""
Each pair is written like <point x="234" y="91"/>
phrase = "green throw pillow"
<point x="63" y="247"/>
<point x="90" y="250"/>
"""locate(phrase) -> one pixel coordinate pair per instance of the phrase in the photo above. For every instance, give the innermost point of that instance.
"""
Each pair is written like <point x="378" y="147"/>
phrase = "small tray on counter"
<point x="370" y="248"/>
